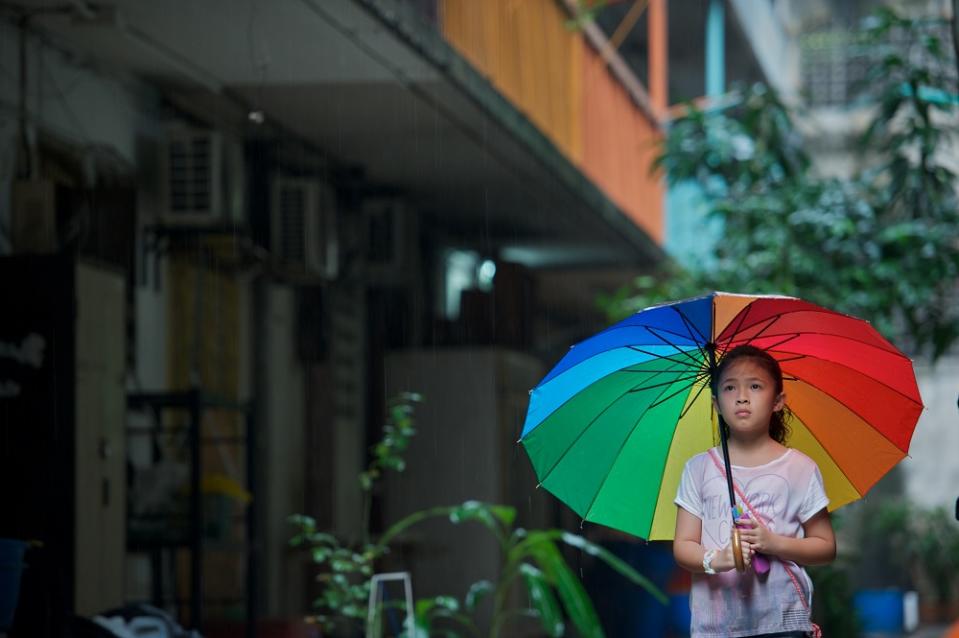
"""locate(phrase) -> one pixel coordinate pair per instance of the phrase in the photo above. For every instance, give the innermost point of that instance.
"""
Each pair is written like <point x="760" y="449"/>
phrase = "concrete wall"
<point x="769" y="32"/>
<point x="76" y="102"/>
<point x="101" y="487"/>
<point x="281" y="472"/>
<point x="474" y="401"/>
<point x="100" y="114"/>
<point x="931" y="472"/>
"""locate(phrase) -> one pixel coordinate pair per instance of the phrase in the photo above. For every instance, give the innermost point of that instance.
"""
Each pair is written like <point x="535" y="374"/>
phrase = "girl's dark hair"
<point x="778" y="428"/>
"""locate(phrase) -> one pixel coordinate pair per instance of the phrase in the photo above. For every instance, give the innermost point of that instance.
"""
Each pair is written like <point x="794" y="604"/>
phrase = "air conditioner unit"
<point x="303" y="230"/>
<point x="390" y="239"/>
<point x="202" y="178"/>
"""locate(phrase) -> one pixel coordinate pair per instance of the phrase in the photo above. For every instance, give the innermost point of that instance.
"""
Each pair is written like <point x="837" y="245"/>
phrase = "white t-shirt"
<point x="786" y="492"/>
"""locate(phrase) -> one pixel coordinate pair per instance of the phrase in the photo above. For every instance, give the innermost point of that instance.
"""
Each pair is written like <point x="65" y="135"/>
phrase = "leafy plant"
<point x="906" y="546"/>
<point x="880" y="244"/>
<point x="882" y="543"/>
<point x="936" y="549"/>
<point x="345" y="575"/>
<point x="833" y="602"/>
<point x="531" y="561"/>
<point x="388" y="452"/>
<point x="346" y="570"/>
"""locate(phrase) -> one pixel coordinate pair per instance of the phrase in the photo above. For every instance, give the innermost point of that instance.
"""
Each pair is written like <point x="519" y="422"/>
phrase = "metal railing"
<point x="835" y="63"/>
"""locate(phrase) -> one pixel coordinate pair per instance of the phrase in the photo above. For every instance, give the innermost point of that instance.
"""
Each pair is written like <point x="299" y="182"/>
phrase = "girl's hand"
<point x="724" y="560"/>
<point x="758" y="538"/>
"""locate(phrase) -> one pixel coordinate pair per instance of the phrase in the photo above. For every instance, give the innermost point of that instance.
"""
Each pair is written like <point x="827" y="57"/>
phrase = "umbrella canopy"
<point x="610" y="428"/>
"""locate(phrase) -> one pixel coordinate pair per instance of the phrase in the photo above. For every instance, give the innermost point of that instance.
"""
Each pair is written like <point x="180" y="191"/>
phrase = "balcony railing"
<point x="835" y="63"/>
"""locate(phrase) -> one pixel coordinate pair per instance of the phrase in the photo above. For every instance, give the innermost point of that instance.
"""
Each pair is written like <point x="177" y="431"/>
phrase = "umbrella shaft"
<point x="729" y="469"/>
<point x="711" y="348"/>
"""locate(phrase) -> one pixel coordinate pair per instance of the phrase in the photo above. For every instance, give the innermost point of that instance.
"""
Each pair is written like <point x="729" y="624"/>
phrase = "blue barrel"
<point x="879" y="610"/>
<point x="11" y="566"/>
<point x="624" y="609"/>
<point x="680" y="616"/>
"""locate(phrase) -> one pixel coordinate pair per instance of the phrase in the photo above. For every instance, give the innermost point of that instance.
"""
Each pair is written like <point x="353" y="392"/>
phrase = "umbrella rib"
<point x="695" y="378"/>
<point x="799" y="355"/>
<point x="740" y="328"/>
<point x="891" y="349"/>
<point x="641" y="325"/>
<point x="631" y="371"/>
<point x="635" y="326"/>
<point x="588" y="426"/>
<point x="842" y="403"/>
<point x="771" y="321"/>
<point x="832" y="458"/>
<point x="878" y="381"/>
<point x="859" y="416"/>
<point x="673" y="345"/>
<point x="615" y="457"/>
<point x="665" y="331"/>
<point x="689" y="404"/>
<point x="799" y="333"/>
<point x="791" y="337"/>
<point x="688" y="335"/>
<point x="769" y="325"/>
<point x="666" y="357"/>
<point x="814" y="309"/>
<point x="664" y="400"/>
<point x="742" y="319"/>
<point x="690" y="324"/>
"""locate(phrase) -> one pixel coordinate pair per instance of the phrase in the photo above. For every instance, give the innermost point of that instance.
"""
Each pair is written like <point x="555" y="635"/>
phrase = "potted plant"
<point x="882" y="552"/>
<point x="935" y="548"/>
<point x="533" y="582"/>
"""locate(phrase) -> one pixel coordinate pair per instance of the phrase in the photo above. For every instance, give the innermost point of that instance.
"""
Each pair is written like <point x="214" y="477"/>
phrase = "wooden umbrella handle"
<point x="738" y="551"/>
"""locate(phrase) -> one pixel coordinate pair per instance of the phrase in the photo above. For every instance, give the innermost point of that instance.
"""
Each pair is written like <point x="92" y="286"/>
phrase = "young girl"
<point x="782" y="487"/>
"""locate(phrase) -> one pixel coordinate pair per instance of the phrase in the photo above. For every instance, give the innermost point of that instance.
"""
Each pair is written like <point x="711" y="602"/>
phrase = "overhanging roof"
<point x="376" y="88"/>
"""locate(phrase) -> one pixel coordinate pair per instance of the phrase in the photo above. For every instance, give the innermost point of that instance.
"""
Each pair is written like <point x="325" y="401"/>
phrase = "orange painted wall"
<point x="528" y="54"/>
<point x="554" y="76"/>
<point x="619" y="146"/>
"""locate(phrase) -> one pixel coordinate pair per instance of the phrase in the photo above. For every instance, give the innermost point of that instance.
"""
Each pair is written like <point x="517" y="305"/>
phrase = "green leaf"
<point x="447" y="602"/>
<point x="366" y="481"/>
<point x="423" y="607"/>
<point x="543" y="600"/>
<point x="476" y="592"/>
<point x="302" y="520"/>
<point x="505" y="514"/>
<point x="575" y="600"/>
<point x="427" y="608"/>
<point x="343" y="566"/>
<point x="616" y="564"/>
<point x="474" y="511"/>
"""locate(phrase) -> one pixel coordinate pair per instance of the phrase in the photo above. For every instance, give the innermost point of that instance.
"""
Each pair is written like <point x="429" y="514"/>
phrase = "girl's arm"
<point x="688" y="549"/>
<point x="817" y="548"/>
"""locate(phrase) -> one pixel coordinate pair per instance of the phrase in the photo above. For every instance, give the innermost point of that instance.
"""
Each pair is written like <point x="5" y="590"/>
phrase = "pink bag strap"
<point x="817" y="632"/>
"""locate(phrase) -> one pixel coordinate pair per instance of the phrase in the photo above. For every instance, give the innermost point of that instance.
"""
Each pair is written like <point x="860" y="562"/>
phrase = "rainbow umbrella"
<point x="610" y="428"/>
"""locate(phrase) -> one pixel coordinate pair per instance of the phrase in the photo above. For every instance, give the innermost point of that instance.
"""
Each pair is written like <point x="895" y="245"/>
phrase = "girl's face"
<point x="747" y="398"/>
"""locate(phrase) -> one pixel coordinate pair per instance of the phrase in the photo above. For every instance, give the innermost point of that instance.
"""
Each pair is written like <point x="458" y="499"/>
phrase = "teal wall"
<point x="691" y="234"/>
